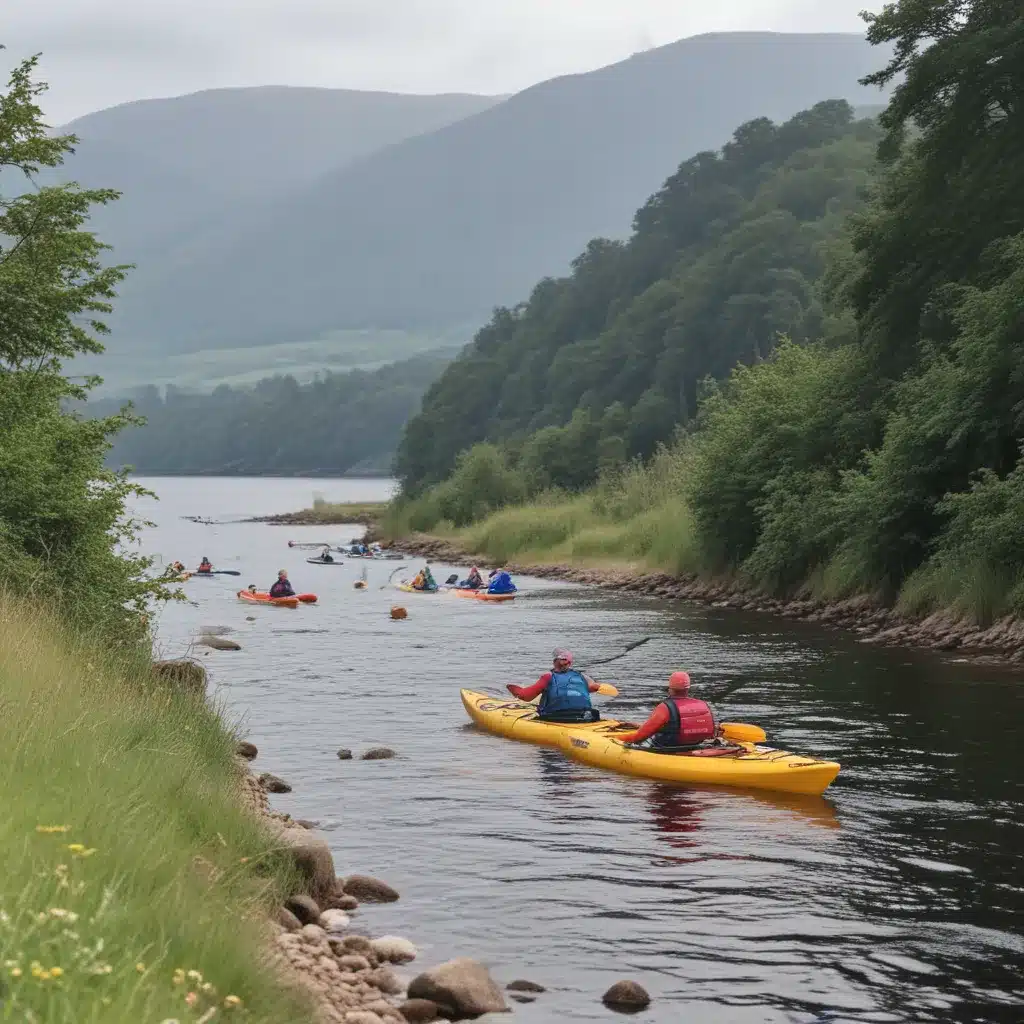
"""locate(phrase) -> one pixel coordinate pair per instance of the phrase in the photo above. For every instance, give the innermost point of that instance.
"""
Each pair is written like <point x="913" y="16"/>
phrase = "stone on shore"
<point x="627" y="996"/>
<point x="393" y="950"/>
<point x="460" y="988"/>
<point x="362" y="1017"/>
<point x="312" y="857"/>
<point x="185" y="675"/>
<point x="247" y="750"/>
<point x="274" y="784"/>
<point x="358" y="944"/>
<point x="288" y="920"/>
<point x="378" y="754"/>
<point x="304" y="907"/>
<point x="339" y="901"/>
<point x="354" y="962"/>
<point x="334" y="920"/>
<point x="344" y="754"/>
<point x="419" y="1011"/>
<point x="386" y="980"/>
<point x="369" y="890"/>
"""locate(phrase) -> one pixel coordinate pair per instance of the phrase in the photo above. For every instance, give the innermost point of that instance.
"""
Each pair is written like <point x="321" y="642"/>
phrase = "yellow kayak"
<point x="408" y="588"/>
<point x="740" y="765"/>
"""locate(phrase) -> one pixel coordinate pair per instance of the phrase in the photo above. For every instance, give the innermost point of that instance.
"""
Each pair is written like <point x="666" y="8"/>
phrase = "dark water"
<point x="899" y="898"/>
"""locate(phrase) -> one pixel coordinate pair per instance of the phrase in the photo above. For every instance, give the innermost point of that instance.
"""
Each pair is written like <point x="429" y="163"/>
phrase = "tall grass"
<point x="126" y="855"/>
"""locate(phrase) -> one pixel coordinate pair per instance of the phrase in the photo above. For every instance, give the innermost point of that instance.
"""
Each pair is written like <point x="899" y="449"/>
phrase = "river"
<point x="898" y="898"/>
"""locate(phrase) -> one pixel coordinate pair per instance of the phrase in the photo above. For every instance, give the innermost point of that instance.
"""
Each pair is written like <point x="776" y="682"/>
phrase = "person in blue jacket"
<point x="501" y="583"/>
<point x="564" y="692"/>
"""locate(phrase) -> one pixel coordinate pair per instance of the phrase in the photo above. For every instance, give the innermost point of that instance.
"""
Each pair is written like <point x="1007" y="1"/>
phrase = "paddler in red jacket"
<point x="680" y="721"/>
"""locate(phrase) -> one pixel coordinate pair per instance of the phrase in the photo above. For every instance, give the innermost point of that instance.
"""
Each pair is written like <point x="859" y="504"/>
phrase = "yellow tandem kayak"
<point x="741" y="765"/>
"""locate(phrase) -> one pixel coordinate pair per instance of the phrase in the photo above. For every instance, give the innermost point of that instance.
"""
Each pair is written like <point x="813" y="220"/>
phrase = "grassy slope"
<point x="145" y="781"/>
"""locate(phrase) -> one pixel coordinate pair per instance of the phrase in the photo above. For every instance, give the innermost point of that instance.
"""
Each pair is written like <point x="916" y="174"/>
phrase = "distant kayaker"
<point x="474" y="581"/>
<point x="282" y="587"/>
<point x="680" y="721"/>
<point x="564" y="692"/>
<point x="424" y="579"/>
<point x="325" y="555"/>
<point x="205" y="565"/>
<point x="501" y="583"/>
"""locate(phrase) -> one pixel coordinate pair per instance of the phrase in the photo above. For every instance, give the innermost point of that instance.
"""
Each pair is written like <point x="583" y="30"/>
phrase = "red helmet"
<point x="679" y="681"/>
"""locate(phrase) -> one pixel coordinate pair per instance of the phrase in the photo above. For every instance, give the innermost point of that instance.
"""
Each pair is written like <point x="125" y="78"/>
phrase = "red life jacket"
<point x="690" y="721"/>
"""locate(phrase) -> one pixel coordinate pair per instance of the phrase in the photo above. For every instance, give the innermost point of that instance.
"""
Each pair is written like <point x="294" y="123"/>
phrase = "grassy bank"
<point x="330" y="513"/>
<point x="128" y="862"/>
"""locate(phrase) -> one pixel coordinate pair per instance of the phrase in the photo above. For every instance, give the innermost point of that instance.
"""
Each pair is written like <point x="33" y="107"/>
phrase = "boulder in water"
<point x="274" y="784"/>
<point x="419" y="1011"/>
<point x="626" y="996"/>
<point x="378" y="754"/>
<point x="460" y="988"/>
<point x="369" y="890"/>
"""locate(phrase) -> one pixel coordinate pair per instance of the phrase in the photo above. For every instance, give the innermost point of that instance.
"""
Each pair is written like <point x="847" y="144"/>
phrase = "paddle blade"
<point x="743" y="733"/>
<point x="607" y="690"/>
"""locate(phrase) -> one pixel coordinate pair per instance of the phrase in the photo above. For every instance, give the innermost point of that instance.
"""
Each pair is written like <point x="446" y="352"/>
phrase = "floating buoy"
<point x="398" y="612"/>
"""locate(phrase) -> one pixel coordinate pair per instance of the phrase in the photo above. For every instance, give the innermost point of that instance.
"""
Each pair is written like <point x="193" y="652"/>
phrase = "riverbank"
<point x="326" y="513"/>
<point x="1003" y="641"/>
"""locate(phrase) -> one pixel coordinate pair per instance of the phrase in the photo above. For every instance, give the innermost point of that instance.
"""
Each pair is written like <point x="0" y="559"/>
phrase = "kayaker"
<point x="474" y="581"/>
<point x="564" y="692"/>
<point x="325" y="555"/>
<point x="205" y="565"/>
<point x="424" y="579"/>
<point x="282" y="587"/>
<point x="680" y="721"/>
<point x="501" y="583"/>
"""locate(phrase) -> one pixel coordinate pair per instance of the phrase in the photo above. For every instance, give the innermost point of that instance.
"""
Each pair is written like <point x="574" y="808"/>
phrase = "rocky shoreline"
<point x="1002" y="642"/>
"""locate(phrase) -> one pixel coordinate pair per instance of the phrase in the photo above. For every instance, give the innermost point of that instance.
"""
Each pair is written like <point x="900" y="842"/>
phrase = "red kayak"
<point x="262" y="597"/>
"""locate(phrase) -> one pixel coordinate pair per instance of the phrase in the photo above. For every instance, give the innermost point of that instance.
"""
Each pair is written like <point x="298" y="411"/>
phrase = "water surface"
<point x="899" y="898"/>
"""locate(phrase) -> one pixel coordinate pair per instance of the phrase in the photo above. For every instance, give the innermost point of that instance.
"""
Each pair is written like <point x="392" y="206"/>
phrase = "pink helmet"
<point x="679" y="681"/>
<point x="561" y="654"/>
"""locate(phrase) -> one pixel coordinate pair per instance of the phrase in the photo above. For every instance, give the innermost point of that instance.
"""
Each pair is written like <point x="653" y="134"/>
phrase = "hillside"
<point x="339" y="423"/>
<point x="437" y="229"/>
<point x="724" y="258"/>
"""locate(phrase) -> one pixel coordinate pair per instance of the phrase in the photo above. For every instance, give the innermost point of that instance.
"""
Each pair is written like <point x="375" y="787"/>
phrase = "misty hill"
<point x="188" y="163"/>
<point x="439" y="228"/>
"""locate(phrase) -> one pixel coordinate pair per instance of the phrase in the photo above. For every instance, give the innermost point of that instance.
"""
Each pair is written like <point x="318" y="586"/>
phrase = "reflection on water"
<point x="897" y="898"/>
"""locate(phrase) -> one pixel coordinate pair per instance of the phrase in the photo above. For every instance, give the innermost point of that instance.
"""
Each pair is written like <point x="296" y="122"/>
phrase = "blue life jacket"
<point x="502" y="584"/>
<point x="567" y="692"/>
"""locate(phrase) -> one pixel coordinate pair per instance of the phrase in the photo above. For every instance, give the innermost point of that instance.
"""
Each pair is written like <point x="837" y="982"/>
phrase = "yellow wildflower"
<point x="49" y="829"/>
<point x="232" y="1002"/>
<point x="194" y="976"/>
<point x="179" y="976"/>
<point x="140" y="967"/>
<point x="15" y="972"/>
<point x="56" y="972"/>
<point x="79" y="850"/>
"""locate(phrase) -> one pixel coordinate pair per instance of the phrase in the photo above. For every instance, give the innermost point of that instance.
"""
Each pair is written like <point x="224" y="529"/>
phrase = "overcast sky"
<point x="100" y="52"/>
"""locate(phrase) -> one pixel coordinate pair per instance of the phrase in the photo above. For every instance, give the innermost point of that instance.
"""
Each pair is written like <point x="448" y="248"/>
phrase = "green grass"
<point x="97" y="917"/>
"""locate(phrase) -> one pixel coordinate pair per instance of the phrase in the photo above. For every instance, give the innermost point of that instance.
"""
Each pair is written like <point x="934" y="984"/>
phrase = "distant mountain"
<point x="190" y="163"/>
<point x="437" y="229"/>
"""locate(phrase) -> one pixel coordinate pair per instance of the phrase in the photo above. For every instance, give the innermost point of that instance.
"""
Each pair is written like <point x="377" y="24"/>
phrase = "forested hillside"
<point x="883" y="457"/>
<point x="339" y="423"/>
<point x="601" y="366"/>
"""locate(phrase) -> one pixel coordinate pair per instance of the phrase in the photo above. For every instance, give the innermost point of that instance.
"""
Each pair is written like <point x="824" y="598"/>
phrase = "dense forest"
<point x="340" y="423"/>
<point x="877" y="451"/>
<point x="600" y="366"/>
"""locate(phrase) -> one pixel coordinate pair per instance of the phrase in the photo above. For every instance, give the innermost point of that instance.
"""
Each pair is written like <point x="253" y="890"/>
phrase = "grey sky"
<point x="100" y="52"/>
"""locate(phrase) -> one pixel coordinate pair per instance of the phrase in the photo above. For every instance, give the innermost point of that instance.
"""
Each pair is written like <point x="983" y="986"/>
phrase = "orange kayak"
<point x="306" y="598"/>
<point x="478" y="595"/>
<point x="262" y="597"/>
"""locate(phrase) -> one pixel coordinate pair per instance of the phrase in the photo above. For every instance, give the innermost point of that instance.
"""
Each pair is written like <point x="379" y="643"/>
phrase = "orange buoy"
<point x="360" y="584"/>
<point x="398" y="612"/>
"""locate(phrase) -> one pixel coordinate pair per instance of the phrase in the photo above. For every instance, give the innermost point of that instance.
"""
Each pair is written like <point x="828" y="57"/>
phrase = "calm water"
<point x="897" y="899"/>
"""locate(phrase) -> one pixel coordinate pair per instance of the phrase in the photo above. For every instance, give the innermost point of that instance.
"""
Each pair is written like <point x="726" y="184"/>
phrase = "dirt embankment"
<point x="1003" y="641"/>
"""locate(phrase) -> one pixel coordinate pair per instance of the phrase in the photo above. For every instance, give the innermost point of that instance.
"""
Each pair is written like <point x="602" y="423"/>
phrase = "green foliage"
<point x="338" y="423"/>
<point x="145" y="781"/>
<point x="722" y="260"/>
<point x="62" y="515"/>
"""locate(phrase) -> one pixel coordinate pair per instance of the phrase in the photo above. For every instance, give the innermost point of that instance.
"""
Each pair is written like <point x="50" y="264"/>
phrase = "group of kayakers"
<point x="499" y="581"/>
<point x="679" y="722"/>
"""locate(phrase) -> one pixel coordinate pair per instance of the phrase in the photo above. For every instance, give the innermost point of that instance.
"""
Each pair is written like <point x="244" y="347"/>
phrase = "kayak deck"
<point x="263" y="597"/>
<point x="479" y="595"/>
<point x="741" y="765"/>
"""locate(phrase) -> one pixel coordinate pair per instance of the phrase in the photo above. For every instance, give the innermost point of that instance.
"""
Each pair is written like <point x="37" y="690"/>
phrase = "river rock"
<point x="313" y="935"/>
<point x="306" y="823"/>
<point x="393" y="950"/>
<point x="339" y="901"/>
<point x="386" y="980"/>
<point x="185" y="675"/>
<point x="418" y="1011"/>
<point x="250" y="618"/>
<point x="334" y="920"/>
<point x="274" y="784"/>
<point x="312" y="857"/>
<point x="218" y="643"/>
<point x="304" y="907"/>
<point x="287" y="919"/>
<point x="358" y="944"/>
<point x="522" y="997"/>
<point x="460" y="988"/>
<point x="378" y="754"/>
<point x="369" y="890"/>
<point x="247" y="750"/>
<point x="627" y="996"/>
<point x="525" y="986"/>
<point x="344" y="754"/>
<point x="362" y="1017"/>
<point x="354" y="962"/>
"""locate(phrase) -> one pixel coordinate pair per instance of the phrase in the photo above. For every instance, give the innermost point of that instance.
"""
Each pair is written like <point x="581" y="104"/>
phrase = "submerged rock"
<point x="344" y="754"/>
<point x="524" y="986"/>
<point x="460" y="988"/>
<point x="218" y="643"/>
<point x="379" y="754"/>
<point x="627" y="996"/>
<point x="369" y="890"/>
<point x="274" y="784"/>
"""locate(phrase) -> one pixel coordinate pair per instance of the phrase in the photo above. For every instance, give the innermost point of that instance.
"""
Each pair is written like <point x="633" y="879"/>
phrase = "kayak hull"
<point x="408" y="588"/>
<point x="306" y="598"/>
<point x="262" y="597"/>
<point x="320" y="561"/>
<point x="747" y="766"/>
<point x="479" y="595"/>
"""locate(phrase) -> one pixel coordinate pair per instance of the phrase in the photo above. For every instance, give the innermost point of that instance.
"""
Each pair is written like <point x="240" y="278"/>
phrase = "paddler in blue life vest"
<point x="680" y="721"/>
<point x="564" y="692"/>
